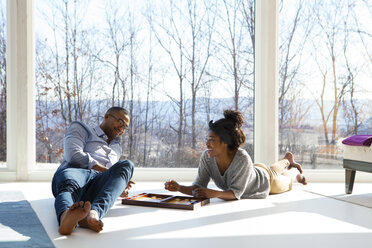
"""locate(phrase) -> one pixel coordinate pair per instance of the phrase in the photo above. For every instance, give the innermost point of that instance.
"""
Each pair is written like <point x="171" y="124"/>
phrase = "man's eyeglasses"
<point x="120" y="121"/>
<point x="209" y="139"/>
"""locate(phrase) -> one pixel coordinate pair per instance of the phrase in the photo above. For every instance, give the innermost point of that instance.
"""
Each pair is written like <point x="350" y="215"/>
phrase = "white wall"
<point x="266" y="81"/>
<point x="20" y="75"/>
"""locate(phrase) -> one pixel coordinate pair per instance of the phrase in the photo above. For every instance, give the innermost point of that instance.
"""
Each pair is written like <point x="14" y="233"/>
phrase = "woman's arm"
<point x="193" y="190"/>
<point x="211" y="193"/>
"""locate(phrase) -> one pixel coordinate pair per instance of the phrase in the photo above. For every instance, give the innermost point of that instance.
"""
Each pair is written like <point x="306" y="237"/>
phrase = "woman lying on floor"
<point x="231" y="168"/>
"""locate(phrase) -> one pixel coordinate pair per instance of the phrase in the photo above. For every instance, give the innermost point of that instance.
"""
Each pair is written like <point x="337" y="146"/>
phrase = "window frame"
<point x="21" y="157"/>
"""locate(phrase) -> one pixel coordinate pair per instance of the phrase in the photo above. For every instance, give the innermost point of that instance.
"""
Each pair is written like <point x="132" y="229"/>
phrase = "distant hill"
<point x="206" y="109"/>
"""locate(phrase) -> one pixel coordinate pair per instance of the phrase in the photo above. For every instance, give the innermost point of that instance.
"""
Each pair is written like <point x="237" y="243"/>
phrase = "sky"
<point x="94" y="16"/>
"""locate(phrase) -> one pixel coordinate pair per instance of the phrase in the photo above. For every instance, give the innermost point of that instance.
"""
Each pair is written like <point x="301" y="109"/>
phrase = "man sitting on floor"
<point x="91" y="177"/>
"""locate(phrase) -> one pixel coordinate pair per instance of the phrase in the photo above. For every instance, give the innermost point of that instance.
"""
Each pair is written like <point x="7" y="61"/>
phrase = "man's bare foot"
<point x="92" y="221"/>
<point x="292" y="163"/>
<point x="71" y="217"/>
<point x="301" y="179"/>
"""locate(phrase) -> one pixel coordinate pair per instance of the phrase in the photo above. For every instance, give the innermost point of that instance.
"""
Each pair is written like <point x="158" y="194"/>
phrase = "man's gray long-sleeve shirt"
<point x="242" y="178"/>
<point x="85" y="147"/>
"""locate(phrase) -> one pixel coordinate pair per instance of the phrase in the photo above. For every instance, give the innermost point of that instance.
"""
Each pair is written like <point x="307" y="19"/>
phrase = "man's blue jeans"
<point x="73" y="184"/>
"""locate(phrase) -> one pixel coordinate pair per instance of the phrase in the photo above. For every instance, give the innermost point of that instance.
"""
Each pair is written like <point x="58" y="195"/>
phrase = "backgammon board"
<point x="165" y="201"/>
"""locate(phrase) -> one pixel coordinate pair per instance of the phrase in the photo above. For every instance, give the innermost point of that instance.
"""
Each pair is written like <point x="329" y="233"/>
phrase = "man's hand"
<point x="100" y="168"/>
<point x="172" y="185"/>
<point x="126" y="190"/>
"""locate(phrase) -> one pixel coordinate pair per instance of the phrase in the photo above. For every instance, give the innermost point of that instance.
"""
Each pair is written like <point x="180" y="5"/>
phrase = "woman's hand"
<point x="171" y="185"/>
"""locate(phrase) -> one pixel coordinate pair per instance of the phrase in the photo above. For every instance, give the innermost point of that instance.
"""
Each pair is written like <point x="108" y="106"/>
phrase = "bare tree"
<point x="45" y="126"/>
<point x="364" y="34"/>
<point x="120" y="57"/>
<point x="118" y="40"/>
<point x="73" y="69"/>
<point x="170" y="37"/>
<point x="329" y="24"/>
<point x="149" y="87"/>
<point x="291" y="50"/>
<point x="2" y="85"/>
<point x="49" y="131"/>
<point x="248" y="13"/>
<point x="64" y="77"/>
<point x="353" y="109"/>
<point x="200" y="21"/>
<point x="235" y="44"/>
<point x="132" y="80"/>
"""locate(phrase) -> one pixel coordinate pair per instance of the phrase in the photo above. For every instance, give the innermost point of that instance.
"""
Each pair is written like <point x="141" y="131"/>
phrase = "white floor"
<point x="294" y="219"/>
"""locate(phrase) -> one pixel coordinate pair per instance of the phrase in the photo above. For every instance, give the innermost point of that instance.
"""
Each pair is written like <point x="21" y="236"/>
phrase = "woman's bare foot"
<point x="301" y="179"/>
<point x="292" y="163"/>
<point x="92" y="221"/>
<point x="71" y="217"/>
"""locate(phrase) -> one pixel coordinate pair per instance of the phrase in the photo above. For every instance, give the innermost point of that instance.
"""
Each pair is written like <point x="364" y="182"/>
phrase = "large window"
<point x="2" y="84"/>
<point x="325" y="73"/>
<point x="174" y="65"/>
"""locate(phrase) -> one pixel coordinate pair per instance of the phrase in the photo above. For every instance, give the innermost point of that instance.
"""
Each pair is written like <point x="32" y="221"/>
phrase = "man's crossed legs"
<point x="84" y="196"/>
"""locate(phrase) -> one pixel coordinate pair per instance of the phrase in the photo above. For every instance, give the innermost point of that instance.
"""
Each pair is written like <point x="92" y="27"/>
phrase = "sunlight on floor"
<point x="280" y="221"/>
<point x="10" y="235"/>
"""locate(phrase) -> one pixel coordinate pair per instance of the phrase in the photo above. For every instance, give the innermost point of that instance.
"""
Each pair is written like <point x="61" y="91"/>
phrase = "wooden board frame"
<point x="165" y="201"/>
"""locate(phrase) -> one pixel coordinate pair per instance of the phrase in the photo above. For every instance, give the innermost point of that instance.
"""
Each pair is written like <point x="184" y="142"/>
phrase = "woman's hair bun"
<point x="234" y="116"/>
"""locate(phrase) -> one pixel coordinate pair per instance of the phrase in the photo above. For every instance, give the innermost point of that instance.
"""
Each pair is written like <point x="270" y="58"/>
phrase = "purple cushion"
<point x="358" y="140"/>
